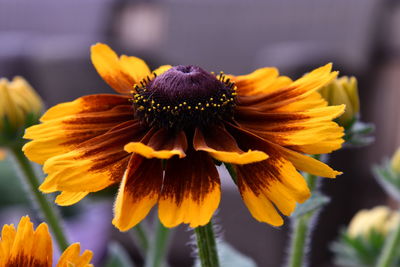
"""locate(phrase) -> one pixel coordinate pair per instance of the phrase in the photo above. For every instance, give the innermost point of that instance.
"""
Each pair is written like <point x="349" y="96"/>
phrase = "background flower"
<point x="32" y="248"/>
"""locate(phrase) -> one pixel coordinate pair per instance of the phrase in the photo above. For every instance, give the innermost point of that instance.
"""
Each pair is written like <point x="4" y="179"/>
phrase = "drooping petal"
<point x="120" y="73"/>
<point x="66" y="126"/>
<point x="222" y="146"/>
<point x="102" y="159"/>
<point x="139" y="191"/>
<point x="26" y="247"/>
<point x="161" y="144"/>
<point x="191" y="191"/>
<point x="71" y="257"/>
<point x="274" y="180"/>
<point x="299" y="161"/>
<point x="261" y="81"/>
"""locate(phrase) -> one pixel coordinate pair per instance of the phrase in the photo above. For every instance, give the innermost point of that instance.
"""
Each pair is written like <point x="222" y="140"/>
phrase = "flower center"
<point x="183" y="97"/>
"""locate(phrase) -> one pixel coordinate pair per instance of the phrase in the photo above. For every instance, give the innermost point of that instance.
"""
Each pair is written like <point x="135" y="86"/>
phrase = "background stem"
<point x="139" y="235"/>
<point x="207" y="246"/>
<point x="49" y="213"/>
<point x="155" y="256"/>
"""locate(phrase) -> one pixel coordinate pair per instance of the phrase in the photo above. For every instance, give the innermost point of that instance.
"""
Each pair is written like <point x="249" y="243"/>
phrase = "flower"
<point x="395" y="162"/>
<point x="343" y="90"/>
<point x="20" y="107"/>
<point x="161" y="136"/>
<point x="380" y="219"/>
<point x="33" y="248"/>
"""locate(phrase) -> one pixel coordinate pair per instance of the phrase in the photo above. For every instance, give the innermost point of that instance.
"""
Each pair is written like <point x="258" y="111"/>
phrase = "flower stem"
<point x="390" y="249"/>
<point x="207" y="246"/>
<point x="157" y="248"/>
<point x="301" y="231"/>
<point x="49" y="213"/>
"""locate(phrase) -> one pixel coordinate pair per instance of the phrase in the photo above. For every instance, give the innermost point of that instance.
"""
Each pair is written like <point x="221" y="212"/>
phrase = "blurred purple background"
<point x="48" y="42"/>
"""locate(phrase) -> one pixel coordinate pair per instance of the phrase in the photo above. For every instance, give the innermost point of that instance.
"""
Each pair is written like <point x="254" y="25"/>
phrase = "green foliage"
<point x="358" y="133"/>
<point x="316" y="201"/>
<point x="117" y="256"/>
<point x="389" y="180"/>
<point x="11" y="191"/>
<point x="360" y="251"/>
<point x="229" y="256"/>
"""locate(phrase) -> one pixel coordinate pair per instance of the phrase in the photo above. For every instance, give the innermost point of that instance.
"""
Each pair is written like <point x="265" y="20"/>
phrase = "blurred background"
<point x="48" y="42"/>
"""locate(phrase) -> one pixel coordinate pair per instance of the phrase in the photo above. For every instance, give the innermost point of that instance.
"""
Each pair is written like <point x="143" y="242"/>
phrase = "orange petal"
<point x="311" y="131"/>
<point x="301" y="162"/>
<point x="26" y="247"/>
<point x="68" y="125"/>
<point x="71" y="257"/>
<point x="274" y="180"/>
<point x="163" y="144"/>
<point x="298" y="95"/>
<point x="191" y="191"/>
<point x="222" y="146"/>
<point x="261" y="81"/>
<point x="102" y="160"/>
<point x="120" y="73"/>
<point x="69" y="198"/>
<point x="138" y="192"/>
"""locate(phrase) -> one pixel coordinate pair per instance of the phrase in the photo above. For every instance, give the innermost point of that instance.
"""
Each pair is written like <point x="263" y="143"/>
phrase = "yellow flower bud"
<point x="380" y="219"/>
<point x="20" y="107"/>
<point x="395" y="162"/>
<point x="343" y="90"/>
<point x="2" y="154"/>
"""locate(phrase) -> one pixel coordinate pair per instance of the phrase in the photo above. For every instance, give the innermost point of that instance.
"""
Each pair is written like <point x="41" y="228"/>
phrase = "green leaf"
<point x="389" y="180"/>
<point x="117" y="256"/>
<point x="357" y="134"/>
<point x="316" y="201"/>
<point x="229" y="256"/>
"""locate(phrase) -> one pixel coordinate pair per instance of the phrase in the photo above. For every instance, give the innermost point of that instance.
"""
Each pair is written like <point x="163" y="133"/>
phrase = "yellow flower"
<point x="395" y="162"/>
<point x="20" y="107"/>
<point x="343" y="90"/>
<point x="160" y="137"/>
<point x="26" y="247"/>
<point x="379" y="219"/>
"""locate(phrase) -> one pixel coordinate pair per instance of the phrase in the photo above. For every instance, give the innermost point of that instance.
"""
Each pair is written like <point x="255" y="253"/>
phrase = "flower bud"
<point x="20" y="107"/>
<point x="343" y="90"/>
<point x="380" y="219"/>
<point x="395" y="162"/>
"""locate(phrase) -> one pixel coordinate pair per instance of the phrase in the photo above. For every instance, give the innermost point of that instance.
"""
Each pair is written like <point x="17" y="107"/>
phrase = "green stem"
<point x="231" y="172"/>
<point x="139" y="234"/>
<point x="298" y="242"/>
<point x="47" y="209"/>
<point x="301" y="228"/>
<point x="155" y="256"/>
<point x="390" y="249"/>
<point x="207" y="246"/>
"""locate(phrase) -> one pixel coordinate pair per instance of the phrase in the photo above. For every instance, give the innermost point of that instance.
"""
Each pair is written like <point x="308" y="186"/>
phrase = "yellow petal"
<point x="261" y="81"/>
<point x="71" y="257"/>
<point x="69" y="198"/>
<point x="191" y="191"/>
<point x="138" y="192"/>
<point x="120" y="73"/>
<point x="223" y="147"/>
<point x="161" y="144"/>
